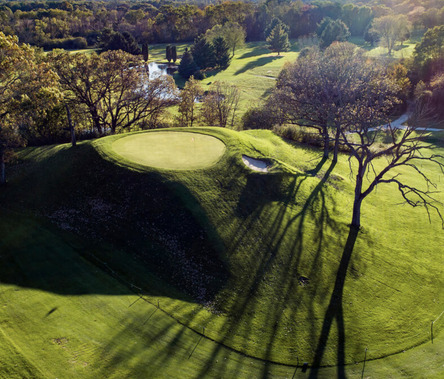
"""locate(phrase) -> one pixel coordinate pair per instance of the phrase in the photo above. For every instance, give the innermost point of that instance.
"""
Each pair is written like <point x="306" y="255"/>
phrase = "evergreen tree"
<point x="203" y="53"/>
<point x="187" y="66"/>
<point x="168" y="53"/>
<point x="275" y="21"/>
<point x="173" y="54"/>
<point x="221" y="53"/>
<point x="122" y="41"/>
<point x="145" y="52"/>
<point x="332" y="30"/>
<point x="278" y="39"/>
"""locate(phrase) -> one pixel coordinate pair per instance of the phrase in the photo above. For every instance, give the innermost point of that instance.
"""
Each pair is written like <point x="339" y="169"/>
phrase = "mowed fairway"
<point x="171" y="150"/>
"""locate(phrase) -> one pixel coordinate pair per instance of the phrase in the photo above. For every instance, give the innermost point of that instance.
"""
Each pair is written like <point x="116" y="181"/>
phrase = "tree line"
<point x="79" y="24"/>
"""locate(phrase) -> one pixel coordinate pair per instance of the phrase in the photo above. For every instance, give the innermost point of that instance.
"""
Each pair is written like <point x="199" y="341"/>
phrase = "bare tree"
<point x="220" y="104"/>
<point x="347" y="97"/>
<point x="402" y="148"/>
<point x="323" y="90"/>
<point x="187" y="105"/>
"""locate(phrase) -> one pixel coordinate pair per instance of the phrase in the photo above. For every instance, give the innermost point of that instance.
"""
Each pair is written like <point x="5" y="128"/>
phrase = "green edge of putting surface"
<point x="171" y="150"/>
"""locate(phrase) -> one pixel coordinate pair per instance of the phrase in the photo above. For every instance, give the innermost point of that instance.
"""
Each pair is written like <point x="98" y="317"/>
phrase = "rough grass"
<point x="264" y="248"/>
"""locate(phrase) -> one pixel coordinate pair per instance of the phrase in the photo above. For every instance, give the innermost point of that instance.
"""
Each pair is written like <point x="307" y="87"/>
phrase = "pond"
<point x="160" y="69"/>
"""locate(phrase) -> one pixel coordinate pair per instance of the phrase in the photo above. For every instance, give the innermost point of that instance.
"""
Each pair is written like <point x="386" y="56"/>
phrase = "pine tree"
<point x="173" y="53"/>
<point x="203" y="53"/>
<point x="187" y="66"/>
<point x="145" y="52"/>
<point x="278" y="39"/>
<point x="221" y="53"/>
<point x="168" y="53"/>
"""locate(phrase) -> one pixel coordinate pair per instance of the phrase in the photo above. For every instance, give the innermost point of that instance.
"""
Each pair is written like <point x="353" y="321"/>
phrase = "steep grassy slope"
<point x="250" y="257"/>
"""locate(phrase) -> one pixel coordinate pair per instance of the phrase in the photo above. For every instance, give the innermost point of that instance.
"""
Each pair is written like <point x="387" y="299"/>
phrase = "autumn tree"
<point x="233" y="34"/>
<point x="391" y="29"/>
<point x="116" y="96"/>
<point x="28" y="88"/>
<point x="191" y="93"/>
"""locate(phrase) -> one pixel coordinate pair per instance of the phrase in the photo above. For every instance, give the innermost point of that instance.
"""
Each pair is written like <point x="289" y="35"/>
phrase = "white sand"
<point x="255" y="164"/>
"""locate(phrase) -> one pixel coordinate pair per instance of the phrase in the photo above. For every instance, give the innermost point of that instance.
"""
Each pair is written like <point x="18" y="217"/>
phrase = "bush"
<point x="257" y="118"/>
<point x="73" y="43"/>
<point x="297" y="134"/>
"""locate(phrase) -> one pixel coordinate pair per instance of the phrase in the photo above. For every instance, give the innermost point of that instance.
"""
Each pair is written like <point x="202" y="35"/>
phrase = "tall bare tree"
<point x="220" y="104"/>
<point x="323" y="88"/>
<point x="188" y="98"/>
<point x="348" y="97"/>
<point x="396" y="147"/>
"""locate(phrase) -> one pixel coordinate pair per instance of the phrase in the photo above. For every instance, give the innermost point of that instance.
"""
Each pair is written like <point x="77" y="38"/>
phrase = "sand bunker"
<point x="255" y="164"/>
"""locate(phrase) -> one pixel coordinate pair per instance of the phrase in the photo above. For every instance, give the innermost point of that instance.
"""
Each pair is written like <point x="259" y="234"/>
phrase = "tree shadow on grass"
<point x="291" y="280"/>
<point x="259" y="50"/>
<point x="268" y="268"/>
<point x="335" y="312"/>
<point x="289" y="275"/>
<point x="257" y="63"/>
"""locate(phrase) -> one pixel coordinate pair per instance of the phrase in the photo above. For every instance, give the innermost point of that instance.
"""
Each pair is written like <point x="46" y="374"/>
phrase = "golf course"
<point x="161" y="254"/>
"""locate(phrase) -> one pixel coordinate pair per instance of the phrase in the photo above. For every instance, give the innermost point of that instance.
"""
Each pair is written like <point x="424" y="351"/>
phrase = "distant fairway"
<point x="171" y="150"/>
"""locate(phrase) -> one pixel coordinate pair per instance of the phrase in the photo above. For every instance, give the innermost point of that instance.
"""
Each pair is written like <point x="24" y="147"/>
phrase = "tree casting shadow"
<point x="257" y="63"/>
<point x="335" y="311"/>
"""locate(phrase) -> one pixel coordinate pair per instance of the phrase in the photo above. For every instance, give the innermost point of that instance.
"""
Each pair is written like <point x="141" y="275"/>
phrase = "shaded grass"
<point x="269" y="231"/>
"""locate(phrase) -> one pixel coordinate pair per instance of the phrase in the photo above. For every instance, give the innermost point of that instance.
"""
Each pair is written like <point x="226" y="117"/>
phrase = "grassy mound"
<point x="247" y="260"/>
<point x="171" y="150"/>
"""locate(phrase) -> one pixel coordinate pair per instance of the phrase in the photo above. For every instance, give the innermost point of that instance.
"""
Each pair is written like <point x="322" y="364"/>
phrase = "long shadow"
<point x="257" y="63"/>
<point x="260" y="50"/>
<point x="335" y="311"/>
<point x="118" y="220"/>
<point x="261" y="265"/>
<point x="266" y="263"/>
<point x="270" y="257"/>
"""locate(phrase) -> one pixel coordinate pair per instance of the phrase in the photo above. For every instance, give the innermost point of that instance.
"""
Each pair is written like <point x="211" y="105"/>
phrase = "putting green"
<point x="171" y="150"/>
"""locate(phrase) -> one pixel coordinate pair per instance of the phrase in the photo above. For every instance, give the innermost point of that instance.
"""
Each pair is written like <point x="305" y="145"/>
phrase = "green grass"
<point x="399" y="52"/>
<point x="222" y="248"/>
<point x="254" y="70"/>
<point x="171" y="150"/>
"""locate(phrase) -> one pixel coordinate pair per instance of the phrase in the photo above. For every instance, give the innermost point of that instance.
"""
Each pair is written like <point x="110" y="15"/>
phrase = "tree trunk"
<point x="96" y="120"/>
<point x="71" y="127"/>
<point x="326" y="144"/>
<point x="2" y="167"/>
<point x="336" y="149"/>
<point x="356" y="219"/>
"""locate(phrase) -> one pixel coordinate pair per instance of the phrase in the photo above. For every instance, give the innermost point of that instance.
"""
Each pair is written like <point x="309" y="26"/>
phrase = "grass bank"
<point x="113" y="266"/>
